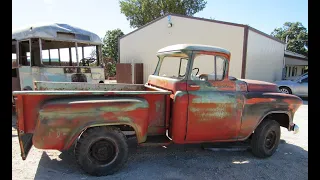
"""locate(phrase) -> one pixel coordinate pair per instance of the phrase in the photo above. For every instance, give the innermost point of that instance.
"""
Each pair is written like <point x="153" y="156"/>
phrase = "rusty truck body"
<point x="180" y="103"/>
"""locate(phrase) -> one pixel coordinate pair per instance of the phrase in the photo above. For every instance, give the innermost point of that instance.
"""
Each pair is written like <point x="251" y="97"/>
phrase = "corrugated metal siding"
<point x="264" y="58"/>
<point x="142" y="45"/>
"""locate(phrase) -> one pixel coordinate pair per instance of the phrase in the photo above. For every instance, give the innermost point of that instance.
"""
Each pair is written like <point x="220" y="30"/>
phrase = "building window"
<point x="293" y="71"/>
<point x="289" y="72"/>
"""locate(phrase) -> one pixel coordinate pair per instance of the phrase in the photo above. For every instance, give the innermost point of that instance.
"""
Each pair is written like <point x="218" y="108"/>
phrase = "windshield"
<point x="299" y="77"/>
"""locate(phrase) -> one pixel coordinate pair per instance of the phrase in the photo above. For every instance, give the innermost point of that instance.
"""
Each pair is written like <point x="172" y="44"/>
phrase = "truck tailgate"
<point x="25" y="139"/>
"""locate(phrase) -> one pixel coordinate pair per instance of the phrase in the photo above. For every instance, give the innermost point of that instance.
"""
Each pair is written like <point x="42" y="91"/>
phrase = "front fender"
<point x="260" y="105"/>
<point x="60" y="121"/>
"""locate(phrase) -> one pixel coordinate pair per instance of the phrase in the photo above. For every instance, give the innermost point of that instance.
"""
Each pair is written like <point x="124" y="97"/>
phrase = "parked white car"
<point x="298" y="86"/>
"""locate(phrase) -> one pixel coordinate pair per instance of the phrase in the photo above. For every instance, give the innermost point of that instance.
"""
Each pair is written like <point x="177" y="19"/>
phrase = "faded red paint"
<point x="260" y="100"/>
<point x="155" y="117"/>
<point x="260" y="86"/>
<point x="192" y="111"/>
<point x="167" y="83"/>
<point x="224" y="85"/>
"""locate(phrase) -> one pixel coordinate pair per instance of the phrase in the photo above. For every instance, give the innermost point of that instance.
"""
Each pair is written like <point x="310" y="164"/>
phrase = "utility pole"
<point x="284" y="72"/>
<point x="285" y="47"/>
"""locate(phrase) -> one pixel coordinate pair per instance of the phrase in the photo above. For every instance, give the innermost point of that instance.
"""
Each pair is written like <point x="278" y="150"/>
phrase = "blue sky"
<point x="99" y="16"/>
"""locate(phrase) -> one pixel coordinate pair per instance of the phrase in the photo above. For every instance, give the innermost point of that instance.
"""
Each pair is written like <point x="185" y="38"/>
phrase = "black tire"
<point x="261" y="146"/>
<point x="285" y="90"/>
<point x="101" y="151"/>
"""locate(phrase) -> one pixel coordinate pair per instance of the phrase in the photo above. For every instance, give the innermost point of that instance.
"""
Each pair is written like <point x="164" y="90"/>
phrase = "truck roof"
<point x="193" y="47"/>
<point x="56" y="31"/>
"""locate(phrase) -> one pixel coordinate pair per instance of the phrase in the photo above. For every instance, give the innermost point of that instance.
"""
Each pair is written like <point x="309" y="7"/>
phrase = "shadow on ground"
<point x="14" y="125"/>
<point x="187" y="162"/>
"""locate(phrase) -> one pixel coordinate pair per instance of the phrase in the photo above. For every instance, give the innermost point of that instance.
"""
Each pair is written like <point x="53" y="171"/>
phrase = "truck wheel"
<point x="265" y="139"/>
<point x="101" y="151"/>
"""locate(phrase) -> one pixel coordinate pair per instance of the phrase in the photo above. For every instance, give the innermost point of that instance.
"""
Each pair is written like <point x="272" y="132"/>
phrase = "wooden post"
<point x="40" y="49"/>
<point x="49" y="57"/>
<point x="17" y="53"/>
<point x="59" y="57"/>
<point x="77" y="57"/>
<point x="70" y="57"/>
<point x="30" y="53"/>
<point x="82" y="52"/>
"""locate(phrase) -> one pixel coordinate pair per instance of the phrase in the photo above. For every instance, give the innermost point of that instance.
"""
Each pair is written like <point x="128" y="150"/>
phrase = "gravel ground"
<point x="178" y="161"/>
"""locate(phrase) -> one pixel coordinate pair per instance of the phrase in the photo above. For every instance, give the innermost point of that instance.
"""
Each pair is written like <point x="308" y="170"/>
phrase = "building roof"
<point x="288" y="53"/>
<point x="193" y="47"/>
<point x="56" y="31"/>
<point x="209" y="20"/>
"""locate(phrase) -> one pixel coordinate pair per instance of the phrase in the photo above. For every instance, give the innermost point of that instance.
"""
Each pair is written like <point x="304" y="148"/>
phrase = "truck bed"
<point x="54" y="118"/>
<point x="84" y="86"/>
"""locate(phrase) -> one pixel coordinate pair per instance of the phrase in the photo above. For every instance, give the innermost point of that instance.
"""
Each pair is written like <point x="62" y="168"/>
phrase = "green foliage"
<point x="140" y="12"/>
<point x="110" y="44"/>
<point x="297" y="37"/>
<point x="111" y="68"/>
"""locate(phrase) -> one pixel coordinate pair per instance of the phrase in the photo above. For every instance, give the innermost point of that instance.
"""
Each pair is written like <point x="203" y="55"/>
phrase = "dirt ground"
<point x="177" y="161"/>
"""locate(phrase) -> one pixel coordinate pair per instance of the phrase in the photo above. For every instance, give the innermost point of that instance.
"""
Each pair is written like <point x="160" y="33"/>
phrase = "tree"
<point x="110" y="44"/>
<point x="110" y="51"/>
<point x="140" y="12"/>
<point x="297" y="37"/>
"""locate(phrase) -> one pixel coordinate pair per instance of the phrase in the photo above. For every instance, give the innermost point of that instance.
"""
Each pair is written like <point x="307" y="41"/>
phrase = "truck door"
<point x="214" y="109"/>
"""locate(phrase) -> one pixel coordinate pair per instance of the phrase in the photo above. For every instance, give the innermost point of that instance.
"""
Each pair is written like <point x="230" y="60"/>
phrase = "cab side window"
<point x="208" y="68"/>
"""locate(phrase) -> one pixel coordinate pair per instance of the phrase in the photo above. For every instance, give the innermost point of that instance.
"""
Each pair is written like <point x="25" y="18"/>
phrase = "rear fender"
<point x="61" y="121"/>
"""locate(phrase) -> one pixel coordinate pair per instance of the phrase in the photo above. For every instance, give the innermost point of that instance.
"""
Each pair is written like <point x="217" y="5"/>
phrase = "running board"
<point x="227" y="145"/>
<point x="161" y="140"/>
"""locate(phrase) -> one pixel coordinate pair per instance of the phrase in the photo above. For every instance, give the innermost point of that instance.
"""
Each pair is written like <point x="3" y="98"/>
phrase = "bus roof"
<point x="56" y="31"/>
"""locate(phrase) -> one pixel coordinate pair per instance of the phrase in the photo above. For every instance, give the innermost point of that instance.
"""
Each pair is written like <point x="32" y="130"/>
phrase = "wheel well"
<point x="281" y="118"/>
<point x="126" y="129"/>
<point x="101" y="82"/>
<point x="286" y="87"/>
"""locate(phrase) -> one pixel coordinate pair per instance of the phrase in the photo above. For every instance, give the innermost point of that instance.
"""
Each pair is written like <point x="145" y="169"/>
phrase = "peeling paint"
<point x="192" y="111"/>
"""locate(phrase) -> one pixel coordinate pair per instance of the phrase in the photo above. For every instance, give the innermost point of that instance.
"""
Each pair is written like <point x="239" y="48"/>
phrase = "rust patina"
<point x="191" y="111"/>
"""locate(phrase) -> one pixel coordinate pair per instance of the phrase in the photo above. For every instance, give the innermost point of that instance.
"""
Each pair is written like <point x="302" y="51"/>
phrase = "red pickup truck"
<point x="182" y="102"/>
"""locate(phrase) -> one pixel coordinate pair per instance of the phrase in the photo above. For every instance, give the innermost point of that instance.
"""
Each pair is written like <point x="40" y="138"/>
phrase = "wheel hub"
<point x="284" y="91"/>
<point x="102" y="151"/>
<point x="270" y="140"/>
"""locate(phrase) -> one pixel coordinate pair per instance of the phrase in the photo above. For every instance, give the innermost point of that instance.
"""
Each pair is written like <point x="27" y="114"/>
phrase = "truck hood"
<point x="260" y="86"/>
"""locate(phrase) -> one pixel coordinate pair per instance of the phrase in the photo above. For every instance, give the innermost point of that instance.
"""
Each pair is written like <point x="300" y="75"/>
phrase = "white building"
<point x="295" y="64"/>
<point x="254" y="54"/>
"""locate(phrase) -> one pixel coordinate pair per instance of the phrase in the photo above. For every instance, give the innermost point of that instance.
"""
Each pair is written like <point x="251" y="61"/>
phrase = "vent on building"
<point x="64" y="35"/>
